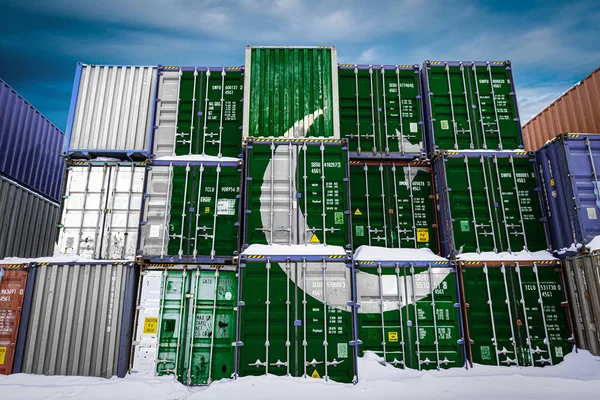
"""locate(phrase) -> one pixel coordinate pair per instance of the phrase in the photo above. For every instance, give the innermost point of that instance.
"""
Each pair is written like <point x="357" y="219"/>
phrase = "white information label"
<point x="155" y="231"/>
<point x="226" y="207"/>
<point x="591" y="211"/>
<point x="445" y="125"/>
<point x="414" y="127"/>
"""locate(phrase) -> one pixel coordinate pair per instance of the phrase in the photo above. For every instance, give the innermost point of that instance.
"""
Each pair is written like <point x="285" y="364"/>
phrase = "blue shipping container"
<point x="567" y="167"/>
<point x="30" y="145"/>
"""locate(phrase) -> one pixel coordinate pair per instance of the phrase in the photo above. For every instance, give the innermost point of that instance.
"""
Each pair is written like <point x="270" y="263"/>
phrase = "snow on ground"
<point x="197" y="157"/>
<point x="505" y="256"/>
<point x="294" y="250"/>
<point x="373" y="253"/>
<point x="594" y="244"/>
<point x="578" y="377"/>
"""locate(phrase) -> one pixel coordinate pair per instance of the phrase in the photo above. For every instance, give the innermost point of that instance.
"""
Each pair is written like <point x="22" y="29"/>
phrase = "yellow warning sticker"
<point x="3" y="354"/>
<point x="422" y="235"/>
<point x="314" y="239"/>
<point x="206" y="210"/>
<point x="315" y="374"/>
<point x="357" y="212"/>
<point x="552" y="182"/>
<point x="150" y="325"/>
<point x="392" y="336"/>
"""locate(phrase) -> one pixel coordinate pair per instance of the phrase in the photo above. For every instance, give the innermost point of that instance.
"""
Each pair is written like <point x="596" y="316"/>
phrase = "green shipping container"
<point x="291" y="92"/>
<point x="516" y="314"/>
<point x="393" y="205"/>
<point x="191" y="212"/>
<point x="410" y="316"/>
<point x="199" y="111"/>
<point x="380" y="110"/>
<point x="296" y="320"/>
<point x="296" y="192"/>
<point x="488" y="201"/>
<point x="187" y="323"/>
<point x="471" y="105"/>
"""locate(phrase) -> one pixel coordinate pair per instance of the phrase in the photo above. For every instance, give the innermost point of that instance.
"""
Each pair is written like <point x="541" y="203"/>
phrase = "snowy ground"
<point x="578" y="377"/>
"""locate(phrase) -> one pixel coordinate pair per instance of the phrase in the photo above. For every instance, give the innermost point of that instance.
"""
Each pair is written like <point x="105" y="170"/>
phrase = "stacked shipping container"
<point x="285" y="218"/>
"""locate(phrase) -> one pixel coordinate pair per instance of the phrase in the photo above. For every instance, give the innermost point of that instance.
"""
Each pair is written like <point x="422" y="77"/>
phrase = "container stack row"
<point x="289" y="215"/>
<point x="31" y="170"/>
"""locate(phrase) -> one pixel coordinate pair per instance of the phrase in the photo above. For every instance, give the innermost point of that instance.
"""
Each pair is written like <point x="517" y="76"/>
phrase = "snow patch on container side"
<point x="505" y="256"/>
<point x="374" y="253"/>
<point x="294" y="250"/>
<point x="197" y="157"/>
<point x="57" y="258"/>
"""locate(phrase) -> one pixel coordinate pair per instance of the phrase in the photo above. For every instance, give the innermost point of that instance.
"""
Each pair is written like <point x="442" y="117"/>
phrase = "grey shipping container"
<point x="30" y="145"/>
<point x="101" y="209"/>
<point x="78" y="319"/>
<point x="111" y="111"/>
<point x="582" y="276"/>
<point x="27" y="222"/>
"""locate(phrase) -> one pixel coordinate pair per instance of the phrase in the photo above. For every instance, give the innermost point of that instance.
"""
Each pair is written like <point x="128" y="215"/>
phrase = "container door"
<point x="12" y="293"/>
<point x="545" y="329"/>
<point x="401" y="122"/>
<point x="209" y="116"/>
<point x="515" y="187"/>
<point x="450" y="106"/>
<point x="358" y="106"/>
<point x="296" y="195"/>
<point x="491" y="315"/>
<point x="149" y="314"/>
<point x="296" y="320"/>
<point x="124" y="201"/>
<point x="370" y="205"/>
<point x="472" y="205"/>
<point x="321" y="177"/>
<point x="211" y="327"/>
<point x="83" y="211"/>
<point x="390" y="298"/>
<point x="172" y="324"/>
<point x="495" y="107"/>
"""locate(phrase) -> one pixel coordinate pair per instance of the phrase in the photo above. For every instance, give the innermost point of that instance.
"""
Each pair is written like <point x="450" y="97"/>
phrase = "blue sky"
<point x="551" y="44"/>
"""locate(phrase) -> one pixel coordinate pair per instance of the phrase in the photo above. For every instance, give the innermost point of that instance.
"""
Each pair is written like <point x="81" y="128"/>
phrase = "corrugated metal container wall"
<point x="101" y="210"/>
<point x="291" y="92"/>
<point x="13" y="280"/>
<point x="199" y="111"/>
<point x="27" y="222"/>
<point x="381" y="110"/>
<point x="30" y="145"/>
<point x="81" y="319"/>
<point x="577" y="110"/>
<point x="111" y="111"/>
<point x="583" y="286"/>
<point x="488" y="201"/>
<point x="567" y="168"/>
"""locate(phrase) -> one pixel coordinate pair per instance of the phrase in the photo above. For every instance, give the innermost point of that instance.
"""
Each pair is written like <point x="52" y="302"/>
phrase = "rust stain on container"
<point x="577" y="110"/>
<point x="12" y="292"/>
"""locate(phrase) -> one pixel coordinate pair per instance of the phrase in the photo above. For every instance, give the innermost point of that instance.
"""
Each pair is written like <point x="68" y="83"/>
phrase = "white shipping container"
<point x="101" y="210"/>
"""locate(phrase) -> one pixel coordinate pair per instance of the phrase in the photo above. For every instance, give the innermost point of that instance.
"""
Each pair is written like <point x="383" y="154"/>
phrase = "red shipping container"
<point x="12" y="292"/>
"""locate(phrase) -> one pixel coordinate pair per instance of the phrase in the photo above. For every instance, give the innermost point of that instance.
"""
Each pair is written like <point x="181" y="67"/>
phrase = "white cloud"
<point x="534" y="99"/>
